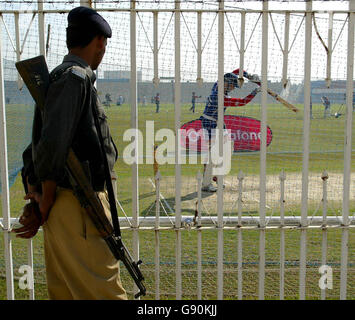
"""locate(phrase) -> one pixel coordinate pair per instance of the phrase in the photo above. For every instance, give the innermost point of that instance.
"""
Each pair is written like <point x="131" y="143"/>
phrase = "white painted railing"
<point x="219" y="222"/>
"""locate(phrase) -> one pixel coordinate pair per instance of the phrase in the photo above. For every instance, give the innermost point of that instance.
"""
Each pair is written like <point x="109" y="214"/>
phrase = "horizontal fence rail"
<point x="189" y="223"/>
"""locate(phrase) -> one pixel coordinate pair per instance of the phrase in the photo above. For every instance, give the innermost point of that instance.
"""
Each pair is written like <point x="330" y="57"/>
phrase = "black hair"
<point x="80" y="37"/>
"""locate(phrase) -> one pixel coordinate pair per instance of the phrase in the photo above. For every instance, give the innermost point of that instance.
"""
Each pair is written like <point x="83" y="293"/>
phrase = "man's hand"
<point x="45" y="199"/>
<point x="31" y="221"/>
<point x="256" y="91"/>
<point x="254" y="78"/>
<point x="44" y="204"/>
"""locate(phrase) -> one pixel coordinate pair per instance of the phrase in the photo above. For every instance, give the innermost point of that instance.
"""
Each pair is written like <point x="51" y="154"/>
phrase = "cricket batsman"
<point x="209" y="117"/>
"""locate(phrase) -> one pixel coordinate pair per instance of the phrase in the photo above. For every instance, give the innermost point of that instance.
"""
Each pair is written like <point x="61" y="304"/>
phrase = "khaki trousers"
<point x="79" y="264"/>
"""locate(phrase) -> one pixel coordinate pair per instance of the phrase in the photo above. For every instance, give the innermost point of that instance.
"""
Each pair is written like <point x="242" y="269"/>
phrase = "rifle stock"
<point x="35" y="74"/>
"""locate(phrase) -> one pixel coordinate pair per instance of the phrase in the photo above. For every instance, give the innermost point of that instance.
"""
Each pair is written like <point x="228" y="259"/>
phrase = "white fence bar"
<point x="134" y="125"/>
<point x="282" y="234"/>
<point x="199" y="237"/>
<point x="210" y="222"/>
<point x="219" y="138"/>
<point x="219" y="223"/>
<point x="347" y="152"/>
<point x="262" y="207"/>
<point x="5" y="192"/>
<point x="305" y="158"/>
<point x="183" y="10"/>
<point x="157" y="236"/>
<point x="324" y="231"/>
<point x="240" y="235"/>
<point x="177" y="102"/>
<point x="30" y="264"/>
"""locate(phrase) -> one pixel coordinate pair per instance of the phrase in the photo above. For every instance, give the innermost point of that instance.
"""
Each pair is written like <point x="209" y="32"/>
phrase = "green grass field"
<point x="284" y="153"/>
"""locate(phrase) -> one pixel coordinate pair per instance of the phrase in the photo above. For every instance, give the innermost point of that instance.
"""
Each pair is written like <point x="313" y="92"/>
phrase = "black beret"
<point x="84" y="17"/>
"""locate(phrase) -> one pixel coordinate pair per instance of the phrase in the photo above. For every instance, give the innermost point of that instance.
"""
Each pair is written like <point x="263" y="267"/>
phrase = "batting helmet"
<point x="231" y="78"/>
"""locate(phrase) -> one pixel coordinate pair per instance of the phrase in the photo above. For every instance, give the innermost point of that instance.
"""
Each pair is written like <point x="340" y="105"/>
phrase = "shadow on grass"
<point x="169" y="204"/>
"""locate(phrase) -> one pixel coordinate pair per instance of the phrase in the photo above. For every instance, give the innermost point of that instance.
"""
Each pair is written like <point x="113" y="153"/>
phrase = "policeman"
<point x="79" y="264"/>
<point x="209" y="117"/>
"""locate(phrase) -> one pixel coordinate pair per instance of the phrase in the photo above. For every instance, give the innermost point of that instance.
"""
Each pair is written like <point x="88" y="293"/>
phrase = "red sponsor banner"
<point x="244" y="131"/>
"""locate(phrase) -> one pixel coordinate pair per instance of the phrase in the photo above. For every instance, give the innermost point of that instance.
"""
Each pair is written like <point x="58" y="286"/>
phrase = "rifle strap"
<point x="108" y="179"/>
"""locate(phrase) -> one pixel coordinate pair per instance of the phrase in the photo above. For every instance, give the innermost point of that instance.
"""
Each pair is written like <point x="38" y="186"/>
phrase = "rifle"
<point x="35" y="75"/>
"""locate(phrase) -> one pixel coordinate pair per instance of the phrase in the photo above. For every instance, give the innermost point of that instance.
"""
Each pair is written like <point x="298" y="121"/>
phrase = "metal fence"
<point x="177" y="224"/>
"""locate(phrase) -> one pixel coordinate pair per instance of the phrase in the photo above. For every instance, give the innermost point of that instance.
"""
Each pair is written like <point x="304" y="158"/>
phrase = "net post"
<point x="286" y="49"/>
<point x="330" y="50"/>
<point x="18" y="47"/>
<point x="155" y="49"/>
<point x="199" y="79"/>
<point x="242" y="45"/>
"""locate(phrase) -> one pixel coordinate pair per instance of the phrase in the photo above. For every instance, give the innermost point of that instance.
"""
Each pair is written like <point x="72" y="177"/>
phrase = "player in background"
<point x="193" y="101"/>
<point x="209" y="117"/>
<point x="157" y="102"/>
<point x="326" y="104"/>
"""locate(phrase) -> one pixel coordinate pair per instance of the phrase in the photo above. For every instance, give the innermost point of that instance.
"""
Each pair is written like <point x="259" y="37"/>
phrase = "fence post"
<point x="199" y="236"/>
<point x="347" y="152"/>
<point x="177" y="102"/>
<point x="324" y="229"/>
<point x="282" y="234"/>
<point x="305" y="158"/>
<point x="5" y="192"/>
<point x="219" y="136"/>
<point x="240" y="235"/>
<point x="262" y="207"/>
<point x="157" y="235"/>
<point x="134" y="125"/>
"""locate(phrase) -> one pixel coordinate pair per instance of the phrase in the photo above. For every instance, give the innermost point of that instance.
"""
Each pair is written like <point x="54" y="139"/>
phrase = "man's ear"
<point x="101" y="41"/>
